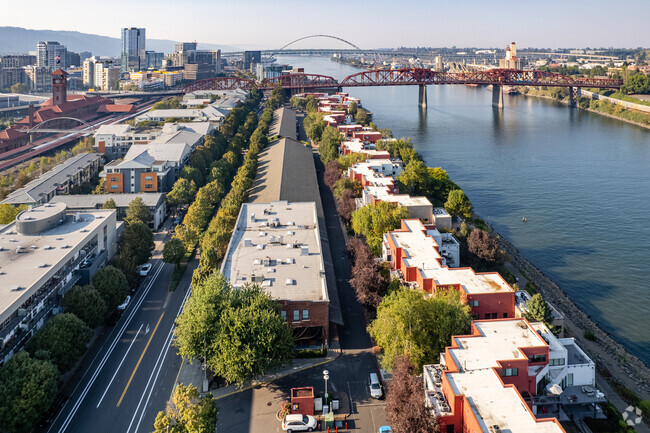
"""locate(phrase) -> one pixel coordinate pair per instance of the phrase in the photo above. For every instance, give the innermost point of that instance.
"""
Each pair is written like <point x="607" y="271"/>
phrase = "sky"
<point x="367" y="23"/>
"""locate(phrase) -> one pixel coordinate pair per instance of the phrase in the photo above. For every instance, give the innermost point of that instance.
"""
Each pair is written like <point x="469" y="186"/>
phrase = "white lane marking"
<point x="157" y="368"/>
<point x="112" y="345"/>
<point x="118" y="367"/>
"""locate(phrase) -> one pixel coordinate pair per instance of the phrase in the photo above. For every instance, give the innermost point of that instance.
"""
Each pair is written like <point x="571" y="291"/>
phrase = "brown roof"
<point x="117" y="108"/>
<point x="11" y="133"/>
<point x="60" y="72"/>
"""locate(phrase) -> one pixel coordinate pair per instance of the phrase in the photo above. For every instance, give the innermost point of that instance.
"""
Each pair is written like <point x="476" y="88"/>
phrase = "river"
<point x="581" y="180"/>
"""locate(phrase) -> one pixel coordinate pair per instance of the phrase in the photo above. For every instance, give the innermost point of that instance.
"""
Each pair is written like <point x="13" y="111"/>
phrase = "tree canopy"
<point x="182" y="193"/>
<point x="109" y="204"/>
<point x="86" y="303"/>
<point x="537" y="310"/>
<point x="65" y="337"/>
<point x="174" y="251"/>
<point x="28" y="388"/>
<point x="8" y="213"/>
<point x="240" y="330"/>
<point x="405" y="410"/>
<point x="458" y="204"/>
<point x="138" y="212"/>
<point x="136" y="243"/>
<point x="112" y="286"/>
<point x="420" y="327"/>
<point x="483" y="245"/>
<point x="373" y="221"/>
<point x="329" y="144"/>
<point x="187" y="413"/>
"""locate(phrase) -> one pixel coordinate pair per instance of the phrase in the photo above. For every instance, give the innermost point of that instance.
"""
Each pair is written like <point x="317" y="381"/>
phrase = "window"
<point x="305" y="314"/>
<point x="567" y="381"/>
<point x="556" y="361"/>
<point x="473" y="303"/>
<point x="114" y="186"/>
<point x="487" y="315"/>
<point x="494" y="315"/>
<point x="507" y="372"/>
<point x="113" y="179"/>
<point x="283" y="315"/>
<point x="148" y="186"/>
<point x="537" y="358"/>
<point x="505" y="315"/>
<point x="148" y="178"/>
<point x="296" y="315"/>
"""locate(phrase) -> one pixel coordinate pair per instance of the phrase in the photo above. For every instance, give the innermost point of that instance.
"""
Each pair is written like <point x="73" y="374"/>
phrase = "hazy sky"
<point x="366" y="23"/>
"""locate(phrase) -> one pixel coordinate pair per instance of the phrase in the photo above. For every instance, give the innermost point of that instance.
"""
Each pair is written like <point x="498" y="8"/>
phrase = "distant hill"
<point x="15" y="40"/>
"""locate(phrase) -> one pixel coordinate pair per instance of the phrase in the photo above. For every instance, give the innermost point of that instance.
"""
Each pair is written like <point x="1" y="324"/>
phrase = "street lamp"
<point x="326" y="377"/>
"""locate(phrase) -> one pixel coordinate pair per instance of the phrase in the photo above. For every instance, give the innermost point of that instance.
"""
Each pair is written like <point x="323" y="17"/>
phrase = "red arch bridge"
<point x="413" y="77"/>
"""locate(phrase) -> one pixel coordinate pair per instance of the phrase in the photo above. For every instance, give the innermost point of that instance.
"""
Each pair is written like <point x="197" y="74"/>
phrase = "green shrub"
<point x="311" y="353"/>
<point x="589" y="335"/>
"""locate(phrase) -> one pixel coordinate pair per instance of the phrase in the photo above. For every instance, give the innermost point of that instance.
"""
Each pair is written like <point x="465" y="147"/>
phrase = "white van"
<point x="375" y="387"/>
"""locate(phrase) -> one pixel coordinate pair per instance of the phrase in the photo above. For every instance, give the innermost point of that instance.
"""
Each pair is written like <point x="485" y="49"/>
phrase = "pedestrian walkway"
<point x="194" y="374"/>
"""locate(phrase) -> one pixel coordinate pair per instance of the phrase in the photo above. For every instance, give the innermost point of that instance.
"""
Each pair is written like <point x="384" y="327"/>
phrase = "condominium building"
<point x="43" y="254"/>
<point x="207" y="114"/>
<point x="355" y="145"/>
<point x="51" y="55"/>
<point x="114" y="141"/>
<point x="278" y="246"/>
<point x="510" y="376"/>
<point x="39" y="78"/>
<point x="424" y="258"/>
<point x="133" y="49"/>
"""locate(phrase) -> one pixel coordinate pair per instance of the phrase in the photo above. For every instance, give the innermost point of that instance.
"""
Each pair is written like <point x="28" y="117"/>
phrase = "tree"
<point x="346" y="204"/>
<point x="28" y="388"/>
<point x="314" y="126"/>
<point x="138" y="212"/>
<point x="405" y="410"/>
<point x="19" y="88"/>
<point x="368" y="283"/>
<point x="182" y="193"/>
<point x="537" y="310"/>
<point x="414" y="178"/>
<point x="8" y="213"/>
<point x="329" y="144"/>
<point x="373" y="221"/>
<point x="362" y="116"/>
<point x="347" y="184"/>
<point x="240" y="330"/>
<point x="136" y="243"/>
<point x="458" y="204"/>
<point x="111" y="284"/>
<point x="86" y="303"/>
<point x="408" y="323"/>
<point x="187" y="412"/>
<point x="192" y="173"/>
<point x="332" y="173"/>
<point x="639" y="83"/>
<point x="352" y="109"/>
<point x="65" y="337"/>
<point x="174" y="251"/>
<point x="109" y="204"/>
<point x="483" y="245"/>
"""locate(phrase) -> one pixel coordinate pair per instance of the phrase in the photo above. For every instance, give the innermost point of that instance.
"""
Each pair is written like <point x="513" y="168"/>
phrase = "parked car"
<point x="298" y="422"/>
<point x="125" y="304"/>
<point x="375" y="387"/>
<point x="385" y="429"/>
<point x="144" y="269"/>
<point x="177" y="220"/>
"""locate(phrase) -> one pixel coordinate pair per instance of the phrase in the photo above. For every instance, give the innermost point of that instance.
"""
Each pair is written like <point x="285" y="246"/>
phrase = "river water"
<point x="581" y="180"/>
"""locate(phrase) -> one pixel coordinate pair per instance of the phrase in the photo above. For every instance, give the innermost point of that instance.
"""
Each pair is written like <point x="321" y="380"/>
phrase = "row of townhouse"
<point x="509" y="375"/>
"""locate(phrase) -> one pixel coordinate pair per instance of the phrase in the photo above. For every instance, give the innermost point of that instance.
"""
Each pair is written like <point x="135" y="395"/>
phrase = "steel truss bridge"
<point x="406" y="77"/>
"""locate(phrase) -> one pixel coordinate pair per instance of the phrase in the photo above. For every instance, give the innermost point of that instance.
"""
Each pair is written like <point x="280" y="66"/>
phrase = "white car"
<point x="298" y="422"/>
<point x="125" y="304"/>
<point x="144" y="269"/>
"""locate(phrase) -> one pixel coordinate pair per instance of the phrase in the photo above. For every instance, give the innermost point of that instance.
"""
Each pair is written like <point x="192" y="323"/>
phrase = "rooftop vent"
<point x="43" y="265"/>
<point x="257" y="262"/>
<point x="19" y="250"/>
<point x="289" y="261"/>
<point x="262" y="234"/>
<point x="248" y="243"/>
<point x="260" y="247"/>
<point x="290" y="282"/>
<point x="65" y="246"/>
<point x="48" y="247"/>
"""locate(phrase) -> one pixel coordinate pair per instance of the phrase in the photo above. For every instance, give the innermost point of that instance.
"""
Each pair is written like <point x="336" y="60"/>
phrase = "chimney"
<point x="31" y="116"/>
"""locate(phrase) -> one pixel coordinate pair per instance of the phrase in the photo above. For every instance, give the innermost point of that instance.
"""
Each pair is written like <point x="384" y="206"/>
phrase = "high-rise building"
<point x="510" y="61"/>
<point x="89" y="72"/>
<point x="185" y="46"/>
<point x="110" y="75"/>
<point x="51" y="54"/>
<point x="17" y="61"/>
<point x="133" y="49"/>
<point x="83" y="55"/>
<point x="250" y="58"/>
<point x="72" y="59"/>
<point x="39" y="78"/>
<point x="153" y="60"/>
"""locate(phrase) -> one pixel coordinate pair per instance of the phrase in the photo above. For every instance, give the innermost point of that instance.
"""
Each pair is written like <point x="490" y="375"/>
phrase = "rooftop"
<point x="284" y="123"/>
<point x="420" y="248"/>
<point x="118" y="129"/>
<point x="278" y="246"/>
<point x="49" y="181"/>
<point x="86" y="201"/>
<point x="28" y="260"/>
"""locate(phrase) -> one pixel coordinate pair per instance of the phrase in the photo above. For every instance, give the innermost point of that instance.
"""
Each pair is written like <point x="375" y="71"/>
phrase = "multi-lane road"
<point x="130" y="374"/>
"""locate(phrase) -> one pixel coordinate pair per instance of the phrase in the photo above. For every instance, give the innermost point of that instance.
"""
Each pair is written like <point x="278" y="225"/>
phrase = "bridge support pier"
<point x="422" y="99"/>
<point x="497" y="96"/>
<point x="574" y="94"/>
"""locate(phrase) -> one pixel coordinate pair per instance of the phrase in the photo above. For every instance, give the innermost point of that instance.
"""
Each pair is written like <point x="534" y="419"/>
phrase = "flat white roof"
<point x="421" y="251"/>
<point x="22" y="274"/>
<point x="491" y="402"/>
<point x="279" y="244"/>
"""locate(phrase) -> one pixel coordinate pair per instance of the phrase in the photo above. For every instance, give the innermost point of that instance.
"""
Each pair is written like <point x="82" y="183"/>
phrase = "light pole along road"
<point x="129" y="377"/>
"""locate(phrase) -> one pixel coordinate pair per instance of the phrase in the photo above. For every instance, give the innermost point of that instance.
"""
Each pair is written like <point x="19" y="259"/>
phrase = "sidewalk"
<point x="193" y="373"/>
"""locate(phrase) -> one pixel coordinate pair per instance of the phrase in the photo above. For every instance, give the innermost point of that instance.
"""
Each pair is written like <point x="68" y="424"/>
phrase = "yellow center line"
<point x="139" y="361"/>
